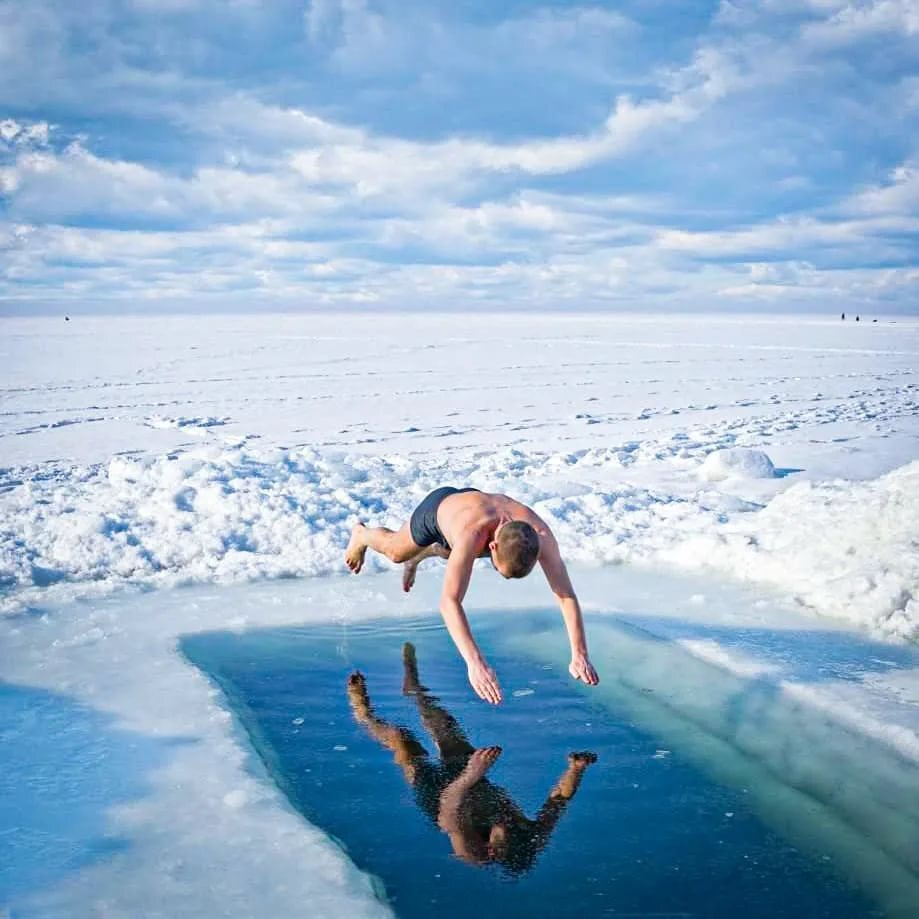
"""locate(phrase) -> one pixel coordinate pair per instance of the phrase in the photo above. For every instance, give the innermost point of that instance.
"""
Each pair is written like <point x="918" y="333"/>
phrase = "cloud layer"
<point x="291" y="154"/>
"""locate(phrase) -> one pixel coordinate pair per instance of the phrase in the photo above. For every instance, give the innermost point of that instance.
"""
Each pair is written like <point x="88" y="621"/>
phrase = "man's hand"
<point x="484" y="681"/>
<point x="582" y="669"/>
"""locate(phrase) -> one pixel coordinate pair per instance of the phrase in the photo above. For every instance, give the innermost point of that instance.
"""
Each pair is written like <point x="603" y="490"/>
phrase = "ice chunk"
<point x="736" y="463"/>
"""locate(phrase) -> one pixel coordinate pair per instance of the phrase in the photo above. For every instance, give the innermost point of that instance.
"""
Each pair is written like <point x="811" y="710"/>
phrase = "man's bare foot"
<point x="357" y="693"/>
<point x="357" y="548"/>
<point x="408" y="575"/>
<point x="480" y="762"/>
<point x="410" y="682"/>
<point x="582" y="760"/>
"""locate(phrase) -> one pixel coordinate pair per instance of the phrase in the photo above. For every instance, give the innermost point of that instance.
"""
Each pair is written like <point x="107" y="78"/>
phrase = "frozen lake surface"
<point x="738" y="499"/>
<point x="169" y="450"/>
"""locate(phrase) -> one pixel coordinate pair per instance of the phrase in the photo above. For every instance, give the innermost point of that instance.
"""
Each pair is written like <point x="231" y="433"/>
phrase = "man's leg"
<point x="411" y="566"/>
<point x="396" y="545"/>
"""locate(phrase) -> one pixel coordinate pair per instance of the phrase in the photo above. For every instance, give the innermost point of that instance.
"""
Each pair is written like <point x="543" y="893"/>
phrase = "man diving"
<point x="461" y="525"/>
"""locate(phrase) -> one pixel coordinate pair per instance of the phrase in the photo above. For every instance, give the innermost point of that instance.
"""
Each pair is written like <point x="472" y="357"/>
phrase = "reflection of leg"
<point x="410" y="682"/>
<point x="404" y="745"/>
<point x="411" y="566"/>
<point x="444" y="729"/>
<point x="564" y="790"/>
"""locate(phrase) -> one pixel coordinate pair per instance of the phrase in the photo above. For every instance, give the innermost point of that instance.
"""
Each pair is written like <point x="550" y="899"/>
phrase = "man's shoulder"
<point x="470" y="530"/>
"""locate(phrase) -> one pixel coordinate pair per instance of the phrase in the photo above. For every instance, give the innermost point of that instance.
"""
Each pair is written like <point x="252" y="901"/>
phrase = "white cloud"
<point x="855" y="21"/>
<point x="244" y="264"/>
<point x="358" y="38"/>
<point x="301" y="199"/>
<point x="9" y="129"/>
<point x="298" y="163"/>
<point x="362" y="38"/>
<point x="24" y="134"/>
<point x="898" y="196"/>
<point x="858" y="288"/>
<point x="74" y="184"/>
<point x="861" y="238"/>
<point x="372" y="165"/>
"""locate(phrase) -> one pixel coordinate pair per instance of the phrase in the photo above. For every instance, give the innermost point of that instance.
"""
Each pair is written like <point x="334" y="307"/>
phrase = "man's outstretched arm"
<point x="456" y="580"/>
<point x="557" y="575"/>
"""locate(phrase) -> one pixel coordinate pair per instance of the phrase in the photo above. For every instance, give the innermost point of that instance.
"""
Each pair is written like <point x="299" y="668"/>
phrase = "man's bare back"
<point x="477" y="515"/>
<point x="462" y="525"/>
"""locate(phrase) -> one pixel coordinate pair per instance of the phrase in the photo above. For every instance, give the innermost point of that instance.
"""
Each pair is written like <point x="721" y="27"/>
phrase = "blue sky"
<point x="472" y="154"/>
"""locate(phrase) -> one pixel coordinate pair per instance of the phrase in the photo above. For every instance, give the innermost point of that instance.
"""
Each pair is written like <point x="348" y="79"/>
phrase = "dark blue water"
<point x="641" y="831"/>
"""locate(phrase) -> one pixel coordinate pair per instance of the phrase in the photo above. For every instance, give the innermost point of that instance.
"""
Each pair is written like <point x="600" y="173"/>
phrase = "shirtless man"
<point x="461" y="525"/>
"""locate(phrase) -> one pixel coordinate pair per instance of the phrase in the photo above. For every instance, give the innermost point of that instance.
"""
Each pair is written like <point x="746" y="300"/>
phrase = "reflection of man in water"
<point x="483" y="823"/>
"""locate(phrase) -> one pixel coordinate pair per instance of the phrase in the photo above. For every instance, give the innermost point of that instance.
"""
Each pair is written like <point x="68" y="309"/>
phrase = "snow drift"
<point x="842" y="548"/>
<point x="736" y="463"/>
<point x="231" y="514"/>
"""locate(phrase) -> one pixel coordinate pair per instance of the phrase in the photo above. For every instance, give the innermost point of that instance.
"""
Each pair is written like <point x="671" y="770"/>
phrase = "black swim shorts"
<point x="423" y="525"/>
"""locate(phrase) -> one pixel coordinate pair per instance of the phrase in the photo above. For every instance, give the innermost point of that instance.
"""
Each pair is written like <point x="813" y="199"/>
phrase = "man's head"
<point x="515" y="549"/>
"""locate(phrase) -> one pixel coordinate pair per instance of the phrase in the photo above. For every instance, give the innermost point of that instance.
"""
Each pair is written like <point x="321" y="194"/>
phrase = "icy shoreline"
<point x="208" y="833"/>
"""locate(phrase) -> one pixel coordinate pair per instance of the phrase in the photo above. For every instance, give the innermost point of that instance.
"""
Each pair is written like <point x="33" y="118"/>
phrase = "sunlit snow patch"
<point x="736" y="463"/>
<point x="195" y="424"/>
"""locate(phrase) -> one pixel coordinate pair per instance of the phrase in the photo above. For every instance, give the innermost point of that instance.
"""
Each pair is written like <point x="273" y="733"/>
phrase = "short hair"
<point x="518" y="548"/>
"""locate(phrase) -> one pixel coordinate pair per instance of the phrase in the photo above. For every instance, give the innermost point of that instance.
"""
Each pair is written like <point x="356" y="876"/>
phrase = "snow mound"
<point x="225" y="514"/>
<point x="164" y="423"/>
<point x="847" y="549"/>
<point x="736" y="463"/>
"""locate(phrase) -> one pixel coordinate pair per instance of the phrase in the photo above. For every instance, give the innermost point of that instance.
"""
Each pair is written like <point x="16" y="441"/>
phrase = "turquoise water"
<point x="648" y="828"/>
<point x="62" y="763"/>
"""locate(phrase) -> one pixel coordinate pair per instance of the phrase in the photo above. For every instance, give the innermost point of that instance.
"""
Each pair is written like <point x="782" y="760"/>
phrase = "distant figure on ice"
<point x="856" y="318"/>
<point x="483" y="823"/>
<point x="843" y="315"/>
<point x="461" y="525"/>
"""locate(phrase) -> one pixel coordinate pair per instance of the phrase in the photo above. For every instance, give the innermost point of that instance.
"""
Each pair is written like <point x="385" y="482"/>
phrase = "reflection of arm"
<point x="465" y="845"/>
<point x="560" y="584"/>
<point x="554" y="806"/>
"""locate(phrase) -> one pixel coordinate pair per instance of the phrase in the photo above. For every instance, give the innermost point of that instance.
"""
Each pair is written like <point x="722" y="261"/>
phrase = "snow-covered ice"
<point x="757" y="448"/>
<point x="759" y="472"/>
